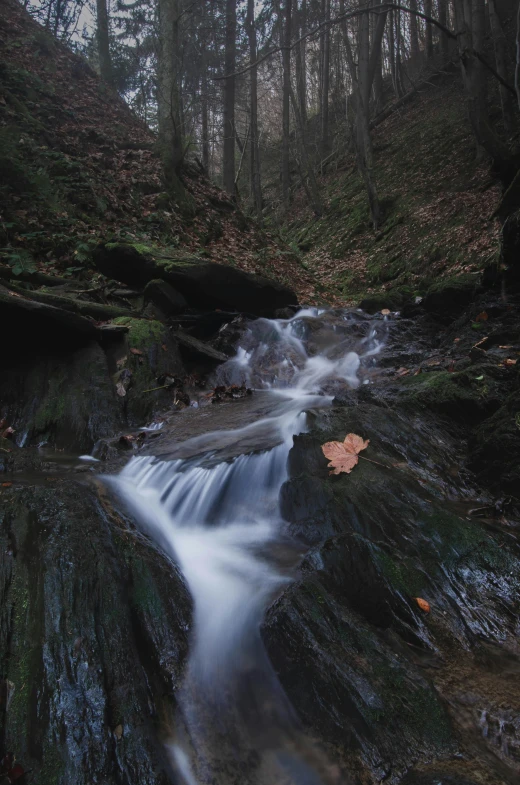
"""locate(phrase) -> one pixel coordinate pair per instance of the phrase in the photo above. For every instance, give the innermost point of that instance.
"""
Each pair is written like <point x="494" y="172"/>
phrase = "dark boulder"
<point x="204" y="284"/>
<point x="165" y="297"/>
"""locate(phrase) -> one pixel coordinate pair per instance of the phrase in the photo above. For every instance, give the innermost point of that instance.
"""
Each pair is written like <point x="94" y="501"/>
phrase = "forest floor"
<point x="437" y="202"/>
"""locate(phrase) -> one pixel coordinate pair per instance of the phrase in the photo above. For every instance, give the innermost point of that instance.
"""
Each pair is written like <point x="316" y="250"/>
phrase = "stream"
<point x="220" y="522"/>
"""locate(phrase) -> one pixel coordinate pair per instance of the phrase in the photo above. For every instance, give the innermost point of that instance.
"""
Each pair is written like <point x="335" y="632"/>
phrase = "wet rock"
<point x="93" y="637"/>
<point x="203" y="284"/>
<point x="66" y="400"/>
<point x="381" y="537"/>
<point x="496" y="447"/>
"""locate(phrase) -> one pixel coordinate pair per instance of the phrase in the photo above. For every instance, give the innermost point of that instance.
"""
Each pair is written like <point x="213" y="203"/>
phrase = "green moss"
<point x="402" y="575"/>
<point x="142" y="332"/>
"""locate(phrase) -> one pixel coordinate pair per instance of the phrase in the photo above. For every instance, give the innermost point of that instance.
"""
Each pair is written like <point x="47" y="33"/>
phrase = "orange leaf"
<point x="482" y="317"/>
<point x="343" y="456"/>
<point x="423" y="605"/>
<point x="385" y="311"/>
<point x="6" y="484"/>
<point x="136" y="351"/>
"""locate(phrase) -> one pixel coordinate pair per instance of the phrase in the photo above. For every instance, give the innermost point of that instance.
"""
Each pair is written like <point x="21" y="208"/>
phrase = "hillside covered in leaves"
<point x="78" y="167"/>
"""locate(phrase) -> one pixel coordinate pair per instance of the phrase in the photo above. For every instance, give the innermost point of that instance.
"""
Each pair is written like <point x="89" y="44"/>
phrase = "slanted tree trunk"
<point x="500" y="46"/>
<point x="103" y="42"/>
<point x="285" y="32"/>
<point x="254" y="155"/>
<point x="168" y="95"/>
<point x="228" y="163"/>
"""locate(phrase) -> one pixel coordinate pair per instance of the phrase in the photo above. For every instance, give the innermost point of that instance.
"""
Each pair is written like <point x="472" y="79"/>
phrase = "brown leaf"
<point x="423" y="605"/>
<point x="118" y="732"/>
<point x="482" y="317"/>
<point x="508" y="346"/>
<point x="402" y="372"/>
<point x="6" y="484"/>
<point x="386" y="311"/>
<point x="343" y="456"/>
<point x="136" y="351"/>
<point x="509" y="362"/>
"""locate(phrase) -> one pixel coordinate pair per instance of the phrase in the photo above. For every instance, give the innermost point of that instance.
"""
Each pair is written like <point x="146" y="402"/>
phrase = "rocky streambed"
<point x="97" y="617"/>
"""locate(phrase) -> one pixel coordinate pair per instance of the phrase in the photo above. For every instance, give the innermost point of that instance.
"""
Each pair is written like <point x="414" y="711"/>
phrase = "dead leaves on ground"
<point x="343" y="456"/>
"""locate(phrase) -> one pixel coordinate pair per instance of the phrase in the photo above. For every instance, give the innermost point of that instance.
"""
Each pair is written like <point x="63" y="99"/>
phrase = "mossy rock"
<point x="470" y="395"/>
<point x="394" y="300"/>
<point x="446" y="298"/>
<point x="204" y="284"/>
<point x="155" y="354"/>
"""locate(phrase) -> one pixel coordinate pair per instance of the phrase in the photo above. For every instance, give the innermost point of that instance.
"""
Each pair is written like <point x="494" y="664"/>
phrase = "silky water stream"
<point x="220" y="523"/>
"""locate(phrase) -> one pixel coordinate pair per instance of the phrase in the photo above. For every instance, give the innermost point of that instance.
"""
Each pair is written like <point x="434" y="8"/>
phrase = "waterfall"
<point x="222" y="525"/>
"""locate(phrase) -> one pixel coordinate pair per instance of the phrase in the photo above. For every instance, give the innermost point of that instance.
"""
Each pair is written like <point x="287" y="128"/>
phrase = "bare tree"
<point x="254" y="155"/>
<point x="168" y="94"/>
<point x="228" y="164"/>
<point x="103" y="42"/>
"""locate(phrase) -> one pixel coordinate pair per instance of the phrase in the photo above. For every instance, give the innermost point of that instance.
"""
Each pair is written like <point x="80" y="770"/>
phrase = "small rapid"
<point x="221" y="524"/>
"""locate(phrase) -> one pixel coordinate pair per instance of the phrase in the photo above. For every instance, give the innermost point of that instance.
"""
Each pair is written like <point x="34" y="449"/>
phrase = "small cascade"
<point x="221" y="524"/>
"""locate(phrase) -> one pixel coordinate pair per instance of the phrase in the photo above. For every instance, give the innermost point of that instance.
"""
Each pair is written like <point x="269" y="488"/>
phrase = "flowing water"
<point x="220" y="522"/>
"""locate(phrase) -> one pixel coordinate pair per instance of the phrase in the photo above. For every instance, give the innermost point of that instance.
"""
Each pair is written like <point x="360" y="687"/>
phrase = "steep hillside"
<point x="437" y="201"/>
<point x="78" y="167"/>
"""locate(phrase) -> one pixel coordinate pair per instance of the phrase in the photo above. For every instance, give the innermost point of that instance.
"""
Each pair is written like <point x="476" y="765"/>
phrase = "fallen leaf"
<point x="478" y="378"/>
<point x="402" y="372"/>
<point x="508" y="346"/>
<point x="423" y="605"/>
<point x="6" y="484"/>
<point x="482" y="317"/>
<point x="343" y="456"/>
<point x="16" y="773"/>
<point x="386" y="311"/>
<point x="120" y="389"/>
<point x="118" y="732"/>
<point x="456" y="340"/>
<point x="509" y="362"/>
<point x="136" y="351"/>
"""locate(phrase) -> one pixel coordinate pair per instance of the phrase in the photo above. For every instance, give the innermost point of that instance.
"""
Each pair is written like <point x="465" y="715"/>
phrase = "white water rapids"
<point x="222" y="526"/>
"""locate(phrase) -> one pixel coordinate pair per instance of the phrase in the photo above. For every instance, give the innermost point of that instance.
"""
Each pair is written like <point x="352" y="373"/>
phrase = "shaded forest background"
<point x="396" y="126"/>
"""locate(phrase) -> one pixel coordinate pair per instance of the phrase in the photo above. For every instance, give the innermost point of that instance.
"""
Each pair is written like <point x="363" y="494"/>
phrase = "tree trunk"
<point x="443" y="19"/>
<point x="485" y="138"/>
<point x="500" y="46"/>
<point x="228" y="164"/>
<point x="254" y="155"/>
<point x="361" y="91"/>
<point x="168" y="94"/>
<point x="310" y="184"/>
<point x="103" y="43"/>
<point x="325" y="80"/>
<point x="429" y="31"/>
<point x="414" y="36"/>
<point x="285" y="32"/>
<point x="301" y="64"/>
<point x="378" y="62"/>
